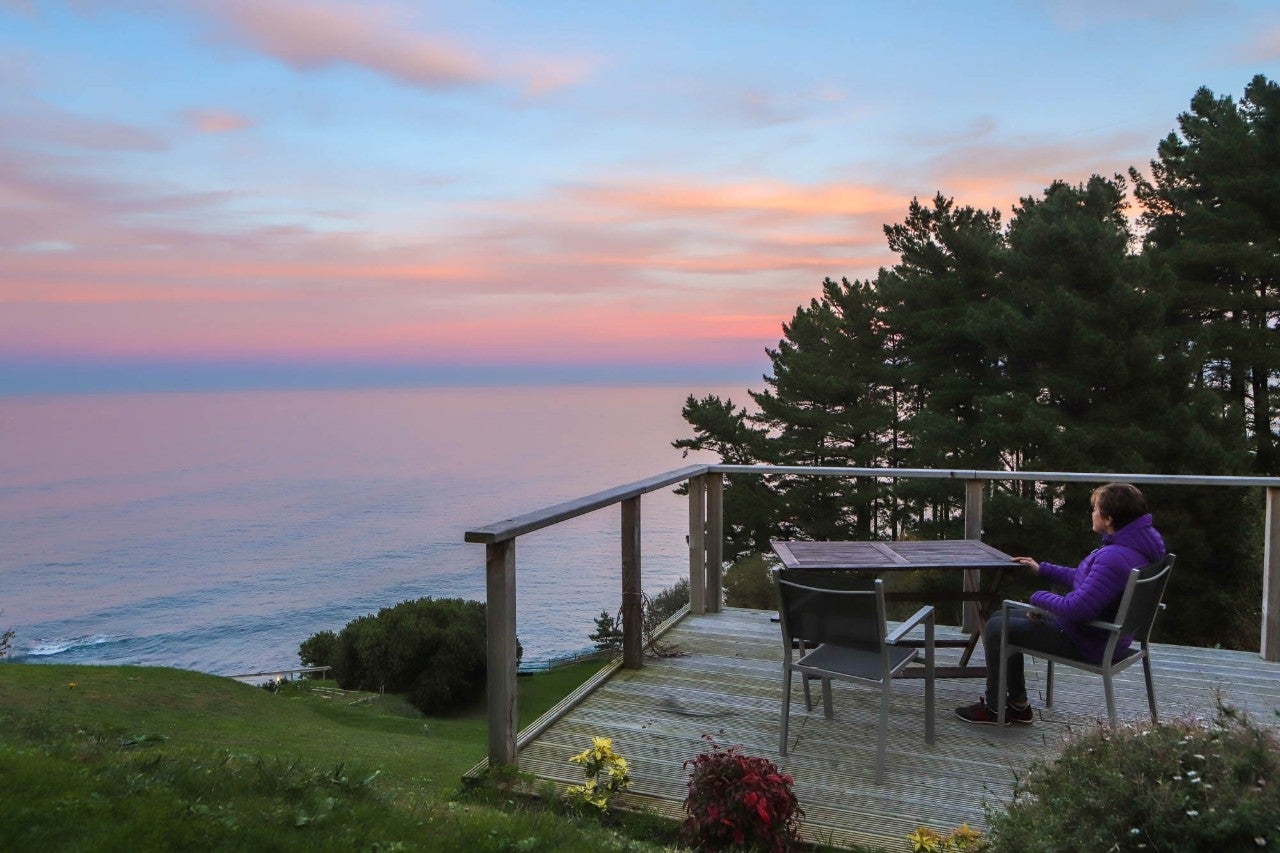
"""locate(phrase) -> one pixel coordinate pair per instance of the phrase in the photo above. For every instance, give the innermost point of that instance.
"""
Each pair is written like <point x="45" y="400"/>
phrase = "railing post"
<point x="715" y="542"/>
<point x="972" y="530"/>
<point x="500" y="629"/>
<point x="697" y="545"/>
<point x="632" y="591"/>
<point x="1270" y="648"/>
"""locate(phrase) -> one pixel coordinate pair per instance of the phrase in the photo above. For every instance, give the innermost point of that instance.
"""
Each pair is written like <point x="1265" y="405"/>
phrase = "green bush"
<point x="747" y="583"/>
<point x="432" y="650"/>
<point x="318" y="649"/>
<point x="665" y="604"/>
<point x="1184" y="786"/>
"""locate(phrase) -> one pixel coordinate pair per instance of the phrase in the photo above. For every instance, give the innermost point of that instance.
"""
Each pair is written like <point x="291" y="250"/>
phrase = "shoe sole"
<point x="1008" y="721"/>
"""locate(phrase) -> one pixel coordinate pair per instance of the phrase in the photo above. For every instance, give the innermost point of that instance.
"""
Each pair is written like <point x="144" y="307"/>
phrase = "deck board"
<point x="727" y="684"/>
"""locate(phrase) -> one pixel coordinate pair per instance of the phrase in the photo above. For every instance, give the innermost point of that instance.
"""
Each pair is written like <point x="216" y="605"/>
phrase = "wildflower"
<point x="71" y="685"/>
<point x="1135" y="831"/>
<point x="1192" y="813"/>
<point x="925" y="840"/>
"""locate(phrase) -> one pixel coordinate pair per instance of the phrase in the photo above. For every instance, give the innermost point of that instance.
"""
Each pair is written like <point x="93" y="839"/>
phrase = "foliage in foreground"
<point x="1184" y="786"/>
<point x="739" y="801"/>
<point x="604" y="774"/>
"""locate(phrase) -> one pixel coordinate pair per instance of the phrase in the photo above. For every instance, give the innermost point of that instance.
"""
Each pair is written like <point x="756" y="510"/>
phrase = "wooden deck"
<point x="728" y="685"/>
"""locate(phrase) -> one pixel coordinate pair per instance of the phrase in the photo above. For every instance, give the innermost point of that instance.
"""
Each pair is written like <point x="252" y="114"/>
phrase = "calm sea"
<point x="216" y="531"/>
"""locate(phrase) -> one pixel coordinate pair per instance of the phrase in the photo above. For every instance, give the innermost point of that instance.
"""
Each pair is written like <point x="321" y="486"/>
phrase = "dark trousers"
<point x="1043" y="634"/>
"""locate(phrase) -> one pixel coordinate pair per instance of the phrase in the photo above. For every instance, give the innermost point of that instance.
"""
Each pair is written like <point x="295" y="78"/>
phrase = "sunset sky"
<point x="306" y="191"/>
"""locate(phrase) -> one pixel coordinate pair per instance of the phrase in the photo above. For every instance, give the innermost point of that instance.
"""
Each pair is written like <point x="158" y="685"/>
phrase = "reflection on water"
<point x="217" y="530"/>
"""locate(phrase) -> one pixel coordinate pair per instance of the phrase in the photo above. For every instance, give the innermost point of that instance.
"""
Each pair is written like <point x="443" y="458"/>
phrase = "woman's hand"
<point x="1029" y="563"/>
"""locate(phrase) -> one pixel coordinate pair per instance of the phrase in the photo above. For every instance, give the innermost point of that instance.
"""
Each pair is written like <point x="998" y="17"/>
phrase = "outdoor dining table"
<point x="967" y="556"/>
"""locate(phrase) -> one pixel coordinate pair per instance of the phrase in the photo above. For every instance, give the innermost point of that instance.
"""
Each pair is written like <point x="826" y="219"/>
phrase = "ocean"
<point x="215" y="531"/>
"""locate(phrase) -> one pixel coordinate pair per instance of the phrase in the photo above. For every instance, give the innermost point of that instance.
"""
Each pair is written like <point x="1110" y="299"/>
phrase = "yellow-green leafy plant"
<point x="605" y="772"/>
<point x="962" y="839"/>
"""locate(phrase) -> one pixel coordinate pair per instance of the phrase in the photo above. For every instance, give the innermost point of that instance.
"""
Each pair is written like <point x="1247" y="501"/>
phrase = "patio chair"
<point x="843" y="618"/>
<point x="1134" y="617"/>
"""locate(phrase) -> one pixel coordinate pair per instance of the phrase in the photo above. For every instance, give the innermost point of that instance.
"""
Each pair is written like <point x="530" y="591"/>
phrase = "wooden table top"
<point x="890" y="556"/>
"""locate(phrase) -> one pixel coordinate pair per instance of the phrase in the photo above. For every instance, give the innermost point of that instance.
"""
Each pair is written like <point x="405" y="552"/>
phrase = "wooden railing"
<point x="706" y="549"/>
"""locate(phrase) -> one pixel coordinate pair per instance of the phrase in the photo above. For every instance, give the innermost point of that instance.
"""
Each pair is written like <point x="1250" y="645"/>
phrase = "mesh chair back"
<point x="832" y="607"/>
<point x="1144" y="595"/>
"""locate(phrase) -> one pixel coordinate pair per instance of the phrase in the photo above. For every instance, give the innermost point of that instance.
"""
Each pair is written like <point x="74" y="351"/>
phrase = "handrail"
<point x="548" y="516"/>
<point x="512" y="527"/>
<point x="969" y="474"/>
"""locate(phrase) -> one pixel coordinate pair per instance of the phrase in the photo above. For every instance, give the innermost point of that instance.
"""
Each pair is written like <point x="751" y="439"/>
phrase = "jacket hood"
<point x="1139" y="535"/>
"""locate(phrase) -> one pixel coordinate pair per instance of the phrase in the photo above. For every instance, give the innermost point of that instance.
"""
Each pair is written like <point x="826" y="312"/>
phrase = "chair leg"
<point x="883" y="731"/>
<point x="808" y="699"/>
<point x="1002" y="690"/>
<point x="1110" y="690"/>
<point x="1151" y="687"/>
<point x="928" y="681"/>
<point x="828" y="709"/>
<point x="1048" y="685"/>
<point x="786" y="709"/>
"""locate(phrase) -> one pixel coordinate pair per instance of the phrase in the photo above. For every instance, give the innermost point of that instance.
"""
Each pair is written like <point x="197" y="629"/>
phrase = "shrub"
<point x="605" y="771"/>
<point x="608" y="633"/>
<point x="737" y="800"/>
<point x="654" y="611"/>
<point x="6" y="637"/>
<point x="747" y="583"/>
<point x="665" y="604"/>
<point x="1185" y="786"/>
<point x="318" y="649"/>
<point x="433" y="650"/>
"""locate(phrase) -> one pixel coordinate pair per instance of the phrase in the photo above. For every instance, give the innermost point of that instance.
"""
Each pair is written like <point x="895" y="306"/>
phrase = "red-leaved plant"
<point x="737" y="800"/>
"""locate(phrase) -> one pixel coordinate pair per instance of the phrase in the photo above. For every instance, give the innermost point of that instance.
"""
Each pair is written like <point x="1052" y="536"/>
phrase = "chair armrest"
<point x="923" y="614"/>
<point x="1105" y="626"/>
<point x="1009" y="604"/>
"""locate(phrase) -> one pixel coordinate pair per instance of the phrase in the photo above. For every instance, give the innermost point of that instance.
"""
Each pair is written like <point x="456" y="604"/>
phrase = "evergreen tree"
<point x="937" y="307"/>
<point x="1213" y="214"/>
<point x="828" y="402"/>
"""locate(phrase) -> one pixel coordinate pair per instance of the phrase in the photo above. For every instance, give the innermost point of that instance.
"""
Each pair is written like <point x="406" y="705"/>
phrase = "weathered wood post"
<point x="1270" y="648"/>
<point x="500" y="628"/>
<point x="697" y="545"/>
<point x="715" y="542"/>
<point x="632" y="591"/>
<point x="972" y="530"/>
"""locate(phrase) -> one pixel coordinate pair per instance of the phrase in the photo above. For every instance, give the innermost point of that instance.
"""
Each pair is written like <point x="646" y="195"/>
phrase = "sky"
<point x="293" y="192"/>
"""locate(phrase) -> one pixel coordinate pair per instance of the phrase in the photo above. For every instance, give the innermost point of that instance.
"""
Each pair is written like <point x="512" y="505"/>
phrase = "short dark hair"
<point x="1121" y="502"/>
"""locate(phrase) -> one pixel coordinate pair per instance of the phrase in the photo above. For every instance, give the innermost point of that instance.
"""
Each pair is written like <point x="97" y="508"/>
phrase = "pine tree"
<point x="1213" y="214"/>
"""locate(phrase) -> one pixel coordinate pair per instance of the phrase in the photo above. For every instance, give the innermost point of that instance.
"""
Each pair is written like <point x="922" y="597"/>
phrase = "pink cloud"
<point x="217" y="121"/>
<point x="309" y="35"/>
<point x="1264" y="46"/>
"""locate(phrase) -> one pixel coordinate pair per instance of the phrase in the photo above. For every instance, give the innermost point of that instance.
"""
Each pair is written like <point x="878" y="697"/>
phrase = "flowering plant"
<point x="606" y="773"/>
<point x="962" y="839"/>
<point x="739" y="800"/>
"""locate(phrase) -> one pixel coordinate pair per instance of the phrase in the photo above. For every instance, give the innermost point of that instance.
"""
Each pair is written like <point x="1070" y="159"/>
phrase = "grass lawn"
<point x="104" y="758"/>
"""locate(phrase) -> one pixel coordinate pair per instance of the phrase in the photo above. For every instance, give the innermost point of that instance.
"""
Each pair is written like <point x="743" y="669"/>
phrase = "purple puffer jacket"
<point x="1097" y="584"/>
